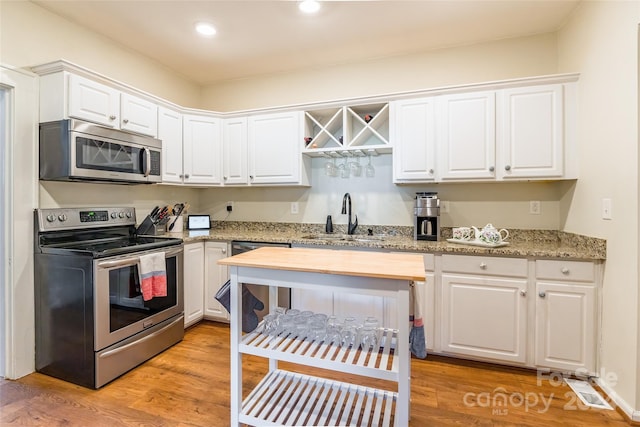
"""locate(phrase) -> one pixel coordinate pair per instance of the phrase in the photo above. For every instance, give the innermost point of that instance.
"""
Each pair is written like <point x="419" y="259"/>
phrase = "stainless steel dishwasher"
<point x="262" y="292"/>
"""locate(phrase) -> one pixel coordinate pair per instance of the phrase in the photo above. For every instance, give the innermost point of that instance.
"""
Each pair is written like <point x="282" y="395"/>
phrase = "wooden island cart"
<point x="292" y="398"/>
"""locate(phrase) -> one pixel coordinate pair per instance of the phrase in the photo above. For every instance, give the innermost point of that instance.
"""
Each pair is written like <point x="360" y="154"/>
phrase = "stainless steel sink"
<point x="344" y="237"/>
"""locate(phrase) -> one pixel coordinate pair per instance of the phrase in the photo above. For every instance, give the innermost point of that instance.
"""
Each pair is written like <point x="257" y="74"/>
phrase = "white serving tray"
<point x="478" y="243"/>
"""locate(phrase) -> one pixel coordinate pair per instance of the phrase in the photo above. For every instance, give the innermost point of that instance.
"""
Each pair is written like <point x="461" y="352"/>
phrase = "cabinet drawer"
<point x="494" y="266"/>
<point x="565" y="270"/>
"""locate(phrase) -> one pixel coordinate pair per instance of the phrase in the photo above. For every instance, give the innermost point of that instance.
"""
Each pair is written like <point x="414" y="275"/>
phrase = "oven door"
<point x="120" y="309"/>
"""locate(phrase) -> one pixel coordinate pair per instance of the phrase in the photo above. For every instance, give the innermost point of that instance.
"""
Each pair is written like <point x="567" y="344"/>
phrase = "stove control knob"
<point x="121" y="214"/>
<point x="129" y="214"/>
<point x="114" y="215"/>
<point x="51" y="217"/>
<point x="62" y="217"/>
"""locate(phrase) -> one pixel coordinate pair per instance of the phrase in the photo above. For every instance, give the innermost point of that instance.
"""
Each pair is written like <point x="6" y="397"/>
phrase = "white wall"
<point x="601" y="42"/>
<point x="503" y="59"/>
<point x="143" y="197"/>
<point x="378" y="201"/>
<point x="20" y="184"/>
<point x="31" y="35"/>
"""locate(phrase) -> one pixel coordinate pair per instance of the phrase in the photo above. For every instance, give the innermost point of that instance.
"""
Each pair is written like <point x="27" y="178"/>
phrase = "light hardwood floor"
<point x="188" y="385"/>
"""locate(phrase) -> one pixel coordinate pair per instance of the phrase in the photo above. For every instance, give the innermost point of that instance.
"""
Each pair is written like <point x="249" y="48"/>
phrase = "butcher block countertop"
<point x="383" y="265"/>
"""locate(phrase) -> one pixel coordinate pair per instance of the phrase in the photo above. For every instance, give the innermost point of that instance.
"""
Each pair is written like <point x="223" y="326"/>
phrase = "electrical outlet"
<point x="294" y="208"/>
<point x="444" y="206"/>
<point x="607" y="209"/>
<point x="229" y="206"/>
<point x="534" y="207"/>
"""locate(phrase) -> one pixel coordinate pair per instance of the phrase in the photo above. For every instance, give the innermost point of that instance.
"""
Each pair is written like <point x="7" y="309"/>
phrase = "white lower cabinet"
<point x="565" y="335"/>
<point x="484" y="312"/>
<point x="318" y="301"/>
<point x="193" y="282"/>
<point x="214" y="277"/>
<point x="202" y="279"/>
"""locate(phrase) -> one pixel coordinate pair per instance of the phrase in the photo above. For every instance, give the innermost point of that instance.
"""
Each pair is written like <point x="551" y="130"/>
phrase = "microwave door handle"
<point x="146" y="164"/>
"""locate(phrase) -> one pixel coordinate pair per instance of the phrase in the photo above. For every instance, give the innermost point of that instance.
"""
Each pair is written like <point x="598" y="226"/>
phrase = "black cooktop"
<point x="101" y="248"/>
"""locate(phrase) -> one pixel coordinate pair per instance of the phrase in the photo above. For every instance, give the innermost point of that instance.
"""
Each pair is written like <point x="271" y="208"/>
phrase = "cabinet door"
<point x="565" y="326"/>
<point x="413" y="130"/>
<point x="202" y="149"/>
<point x="234" y="140"/>
<point x="532" y="135"/>
<point x="214" y="277"/>
<point x="138" y="115"/>
<point x="94" y="102"/>
<point x="467" y="136"/>
<point x="484" y="317"/>
<point x="193" y="283"/>
<point x="170" y="133"/>
<point x="275" y="143"/>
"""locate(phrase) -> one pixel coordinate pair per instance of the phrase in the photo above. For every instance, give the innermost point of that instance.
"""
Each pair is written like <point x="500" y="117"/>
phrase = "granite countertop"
<point x="522" y="243"/>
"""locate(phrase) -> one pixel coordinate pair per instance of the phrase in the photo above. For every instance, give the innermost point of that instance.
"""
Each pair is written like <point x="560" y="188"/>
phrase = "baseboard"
<point x="633" y="415"/>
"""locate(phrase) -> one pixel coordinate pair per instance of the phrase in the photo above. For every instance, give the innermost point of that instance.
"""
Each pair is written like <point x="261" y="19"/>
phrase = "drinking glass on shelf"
<point x="270" y="324"/>
<point x="369" y="170"/>
<point x="293" y="311"/>
<point x="349" y="333"/>
<point x="317" y="331"/>
<point x="319" y="317"/>
<point x="301" y="327"/>
<point x="369" y="334"/>
<point x="285" y="324"/>
<point x="334" y="328"/>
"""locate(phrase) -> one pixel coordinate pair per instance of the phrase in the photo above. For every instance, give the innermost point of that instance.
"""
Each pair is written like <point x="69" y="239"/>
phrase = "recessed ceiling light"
<point x="205" y="29"/>
<point x="309" y="6"/>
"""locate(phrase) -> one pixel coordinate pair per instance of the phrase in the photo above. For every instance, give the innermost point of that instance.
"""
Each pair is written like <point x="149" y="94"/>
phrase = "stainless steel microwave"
<point x="73" y="150"/>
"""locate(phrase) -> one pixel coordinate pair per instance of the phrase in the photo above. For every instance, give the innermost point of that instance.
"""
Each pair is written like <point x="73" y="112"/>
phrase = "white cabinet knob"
<point x="112" y="117"/>
<point x="125" y="121"/>
<point x="507" y="167"/>
<point x="431" y="171"/>
<point x="564" y="270"/>
<point x="491" y="168"/>
<point x="224" y="251"/>
<point x="542" y="294"/>
<point x="523" y="293"/>
<point x="483" y="265"/>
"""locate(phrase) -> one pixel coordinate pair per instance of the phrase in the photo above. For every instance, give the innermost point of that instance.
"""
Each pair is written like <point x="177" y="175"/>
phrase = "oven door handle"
<point x="133" y="260"/>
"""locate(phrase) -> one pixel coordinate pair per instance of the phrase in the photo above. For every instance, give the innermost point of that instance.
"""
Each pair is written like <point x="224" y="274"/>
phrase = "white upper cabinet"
<point x="234" y="150"/>
<point x="170" y="133"/>
<point x="532" y="132"/>
<point x="102" y="104"/>
<point x="275" y="144"/>
<point x="202" y="149"/>
<point x="467" y="137"/>
<point x="413" y="129"/>
<point x="93" y="101"/>
<point x="138" y="115"/>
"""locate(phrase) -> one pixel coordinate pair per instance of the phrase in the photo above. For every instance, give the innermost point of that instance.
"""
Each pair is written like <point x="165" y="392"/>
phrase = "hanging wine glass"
<point x="330" y="168"/>
<point x="356" y="168"/>
<point x="369" y="170"/>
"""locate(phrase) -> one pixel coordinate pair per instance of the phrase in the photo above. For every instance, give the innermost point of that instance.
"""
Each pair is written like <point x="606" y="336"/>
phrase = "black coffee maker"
<point x="426" y="217"/>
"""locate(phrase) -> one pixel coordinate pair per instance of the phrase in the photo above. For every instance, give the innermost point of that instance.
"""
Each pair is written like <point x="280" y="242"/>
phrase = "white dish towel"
<point x="153" y="275"/>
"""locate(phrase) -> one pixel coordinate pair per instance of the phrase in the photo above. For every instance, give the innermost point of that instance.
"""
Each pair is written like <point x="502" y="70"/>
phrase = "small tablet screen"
<point x="198" y="222"/>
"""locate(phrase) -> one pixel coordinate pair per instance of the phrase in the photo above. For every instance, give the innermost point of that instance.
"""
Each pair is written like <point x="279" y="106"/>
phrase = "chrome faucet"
<point x="351" y="227"/>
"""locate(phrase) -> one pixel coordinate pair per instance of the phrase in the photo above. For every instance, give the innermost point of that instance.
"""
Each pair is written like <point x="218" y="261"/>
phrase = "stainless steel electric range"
<point x="92" y="323"/>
